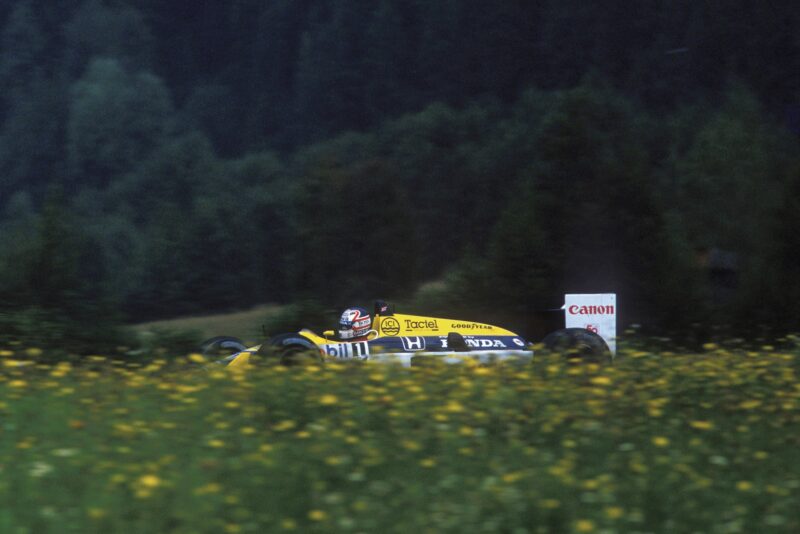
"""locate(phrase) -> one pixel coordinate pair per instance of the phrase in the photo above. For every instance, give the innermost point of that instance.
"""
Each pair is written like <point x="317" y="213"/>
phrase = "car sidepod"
<point x="450" y="349"/>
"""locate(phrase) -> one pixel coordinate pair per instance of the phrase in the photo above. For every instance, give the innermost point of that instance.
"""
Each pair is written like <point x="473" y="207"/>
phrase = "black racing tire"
<point x="221" y="346"/>
<point x="578" y="345"/>
<point x="290" y="350"/>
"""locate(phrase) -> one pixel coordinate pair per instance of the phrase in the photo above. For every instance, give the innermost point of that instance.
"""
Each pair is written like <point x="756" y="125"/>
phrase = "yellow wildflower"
<point x="550" y="504"/>
<point x="149" y="481"/>
<point x="317" y="515"/>
<point x="328" y="400"/>
<point x="96" y="513"/>
<point x="601" y="381"/>
<point x="197" y="358"/>
<point x="702" y="425"/>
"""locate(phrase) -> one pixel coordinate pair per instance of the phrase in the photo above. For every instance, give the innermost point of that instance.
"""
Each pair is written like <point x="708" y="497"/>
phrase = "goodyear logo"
<point x="390" y="326"/>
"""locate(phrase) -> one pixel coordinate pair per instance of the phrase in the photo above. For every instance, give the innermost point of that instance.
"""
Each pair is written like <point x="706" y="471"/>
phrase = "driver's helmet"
<point x="355" y="323"/>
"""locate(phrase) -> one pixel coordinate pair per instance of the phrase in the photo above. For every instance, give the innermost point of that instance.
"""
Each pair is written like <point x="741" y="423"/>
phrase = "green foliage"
<point x="115" y="120"/>
<point x="162" y="344"/>
<point x="303" y="313"/>
<point x="23" y="46"/>
<point x="688" y="442"/>
<point x="256" y="152"/>
<point x="99" y="30"/>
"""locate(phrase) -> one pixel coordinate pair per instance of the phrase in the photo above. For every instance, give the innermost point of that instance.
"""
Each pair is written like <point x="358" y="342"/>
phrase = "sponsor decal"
<point x="574" y="309"/>
<point x="479" y="343"/>
<point x="518" y="342"/>
<point x="429" y="324"/>
<point x="485" y="343"/>
<point x="413" y="343"/>
<point x="348" y="351"/>
<point x="390" y="326"/>
<point x="471" y="326"/>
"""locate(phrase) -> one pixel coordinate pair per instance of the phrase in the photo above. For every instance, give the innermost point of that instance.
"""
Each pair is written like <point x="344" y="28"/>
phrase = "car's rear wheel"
<point x="578" y="345"/>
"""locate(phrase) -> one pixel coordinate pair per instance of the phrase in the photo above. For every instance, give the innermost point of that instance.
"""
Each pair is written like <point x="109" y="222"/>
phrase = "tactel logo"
<point x="390" y="326"/>
<point x="429" y="324"/>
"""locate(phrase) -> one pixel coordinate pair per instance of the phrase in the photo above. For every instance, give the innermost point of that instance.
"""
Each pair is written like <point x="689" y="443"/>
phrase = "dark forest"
<point x="160" y="159"/>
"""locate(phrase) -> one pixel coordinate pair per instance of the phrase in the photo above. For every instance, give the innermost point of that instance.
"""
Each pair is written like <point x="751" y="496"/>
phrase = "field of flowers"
<point x="658" y="442"/>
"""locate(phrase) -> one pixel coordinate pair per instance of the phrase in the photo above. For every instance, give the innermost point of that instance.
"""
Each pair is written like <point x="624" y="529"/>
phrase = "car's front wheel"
<point x="219" y="347"/>
<point x="290" y="349"/>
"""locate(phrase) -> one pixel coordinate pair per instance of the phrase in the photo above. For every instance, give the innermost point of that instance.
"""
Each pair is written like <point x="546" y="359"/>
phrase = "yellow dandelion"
<point x="149" y="481"/>
<point x="702" y="425"/>
<point x="550" y="504"/>
<point x="590" y="484"/>
<point x="328" y="400"/>
<point x="247" y="430"/>
<point x="288" y="524"/>
<point x="744" y="485"/>
<point x="601" y="381"/>
<point x="18" y="384"/>
<point x="411" y="445"/>
<point x="232" y="528"/>
<point x="96" y="513"/>
<point x="216" y="443"/>
<point x="660" y="441"/>
<point x="286" y="424"/>
<point x="749" y="404"/>
<point x="614" y="512"/>
<point x="584" y="525"/>
<point x="34" y="352"/>
<point x="197" y="358"/>
<point x="454" y="407"/>
<point x="317" y="515"/>
<point x="427" y="462"/>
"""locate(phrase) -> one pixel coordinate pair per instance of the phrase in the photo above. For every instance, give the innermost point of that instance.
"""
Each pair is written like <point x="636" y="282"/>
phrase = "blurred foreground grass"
<point x="658" y="442"/>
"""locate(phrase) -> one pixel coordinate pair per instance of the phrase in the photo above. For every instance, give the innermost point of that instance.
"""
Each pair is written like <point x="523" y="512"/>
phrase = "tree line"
<point x="164" y="159"/>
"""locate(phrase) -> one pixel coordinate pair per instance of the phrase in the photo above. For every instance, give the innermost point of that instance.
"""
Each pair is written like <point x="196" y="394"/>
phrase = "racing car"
<point x="416" y="339"/>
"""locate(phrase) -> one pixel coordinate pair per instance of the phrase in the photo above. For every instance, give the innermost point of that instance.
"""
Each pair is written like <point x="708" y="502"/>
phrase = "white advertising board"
<point x="596" y="312"/>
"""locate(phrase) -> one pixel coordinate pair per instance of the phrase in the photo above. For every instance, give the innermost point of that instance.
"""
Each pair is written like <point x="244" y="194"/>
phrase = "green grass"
<point x="656" y="443"/>
<point x="245" y="324"/>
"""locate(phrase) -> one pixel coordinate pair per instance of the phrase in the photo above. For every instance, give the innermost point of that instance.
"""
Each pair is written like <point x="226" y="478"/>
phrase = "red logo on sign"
<point x="590" y="310"/>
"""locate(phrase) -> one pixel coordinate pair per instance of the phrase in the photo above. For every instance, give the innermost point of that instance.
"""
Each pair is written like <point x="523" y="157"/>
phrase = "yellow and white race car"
<point x="409" y="339"/>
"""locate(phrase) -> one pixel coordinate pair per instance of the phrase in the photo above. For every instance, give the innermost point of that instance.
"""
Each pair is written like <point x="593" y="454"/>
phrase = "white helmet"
<point x="355" y="323"/>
